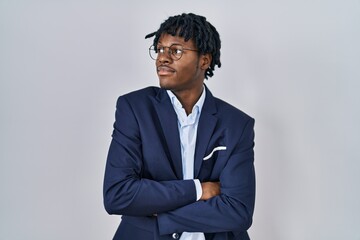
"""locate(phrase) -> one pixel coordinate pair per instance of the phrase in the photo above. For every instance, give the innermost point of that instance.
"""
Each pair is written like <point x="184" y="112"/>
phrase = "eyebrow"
<point x="178" y="43"/>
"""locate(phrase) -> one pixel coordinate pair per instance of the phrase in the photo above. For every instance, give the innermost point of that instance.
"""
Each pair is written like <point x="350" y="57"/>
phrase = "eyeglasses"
<point x="175" y="51"/>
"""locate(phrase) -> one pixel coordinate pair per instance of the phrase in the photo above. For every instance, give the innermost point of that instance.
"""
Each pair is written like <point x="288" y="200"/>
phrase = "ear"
<point x="205" y="61"/>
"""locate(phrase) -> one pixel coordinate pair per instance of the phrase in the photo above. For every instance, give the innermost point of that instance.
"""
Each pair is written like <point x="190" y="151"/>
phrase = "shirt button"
<point x="175" y="236"/>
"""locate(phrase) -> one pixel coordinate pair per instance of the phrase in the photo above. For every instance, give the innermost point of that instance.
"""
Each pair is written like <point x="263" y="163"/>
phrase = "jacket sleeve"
<point x="125" y="191"/>
<point x="232" y="210"/>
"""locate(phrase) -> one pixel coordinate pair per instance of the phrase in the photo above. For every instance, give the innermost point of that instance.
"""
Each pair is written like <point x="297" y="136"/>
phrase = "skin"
<point x="185" y="78"/>
<point x="209" y="190"/>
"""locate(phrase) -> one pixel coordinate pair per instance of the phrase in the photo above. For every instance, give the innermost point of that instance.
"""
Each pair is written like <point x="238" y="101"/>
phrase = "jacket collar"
<point x="209" y="104"/>
<point x="170" y="131"/>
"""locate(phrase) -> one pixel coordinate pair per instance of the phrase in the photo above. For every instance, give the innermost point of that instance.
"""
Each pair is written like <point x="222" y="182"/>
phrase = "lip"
<point x="165" y="70"/>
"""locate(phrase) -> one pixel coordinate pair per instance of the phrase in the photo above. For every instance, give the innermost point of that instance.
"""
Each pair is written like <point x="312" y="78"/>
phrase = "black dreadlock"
<point x="192" y="26"/>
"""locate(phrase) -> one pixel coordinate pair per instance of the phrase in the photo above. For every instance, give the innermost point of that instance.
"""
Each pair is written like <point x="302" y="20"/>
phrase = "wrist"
<point x="198" y="189"/>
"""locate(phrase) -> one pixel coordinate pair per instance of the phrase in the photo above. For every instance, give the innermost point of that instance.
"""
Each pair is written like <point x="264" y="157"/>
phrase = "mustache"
<point x="165" y="68"/>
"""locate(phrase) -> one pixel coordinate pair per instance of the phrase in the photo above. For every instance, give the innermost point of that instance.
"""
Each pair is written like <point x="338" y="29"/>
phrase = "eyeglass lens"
<point x="175" y="51"/>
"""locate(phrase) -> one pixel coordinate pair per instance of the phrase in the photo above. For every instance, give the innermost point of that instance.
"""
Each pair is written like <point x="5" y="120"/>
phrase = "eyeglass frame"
<point x="170" y="52"/>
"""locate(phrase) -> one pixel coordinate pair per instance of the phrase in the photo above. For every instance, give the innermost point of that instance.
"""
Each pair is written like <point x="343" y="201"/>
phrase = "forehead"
<point x="167" y="40"/>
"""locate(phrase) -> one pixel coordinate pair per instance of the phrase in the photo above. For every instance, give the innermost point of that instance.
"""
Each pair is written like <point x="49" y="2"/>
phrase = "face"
<point x="185" y="74"/>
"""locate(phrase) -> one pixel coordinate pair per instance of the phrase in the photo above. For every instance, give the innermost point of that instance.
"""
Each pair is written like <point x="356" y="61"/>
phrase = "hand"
<point x="209" y="190"/>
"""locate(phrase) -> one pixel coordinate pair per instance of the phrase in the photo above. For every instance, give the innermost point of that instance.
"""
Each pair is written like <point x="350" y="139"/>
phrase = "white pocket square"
<point x="214" y="150"/>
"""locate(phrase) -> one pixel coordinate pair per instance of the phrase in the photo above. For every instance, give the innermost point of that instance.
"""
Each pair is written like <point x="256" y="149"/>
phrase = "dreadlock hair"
<point x="192" y="26"/>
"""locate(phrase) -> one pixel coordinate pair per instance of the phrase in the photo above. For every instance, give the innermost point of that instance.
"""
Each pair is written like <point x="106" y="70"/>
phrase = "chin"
<point x="165" y="85"/>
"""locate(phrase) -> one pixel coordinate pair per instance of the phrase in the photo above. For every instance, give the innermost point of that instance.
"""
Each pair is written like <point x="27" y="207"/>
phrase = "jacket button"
<point x="175" y="236"/>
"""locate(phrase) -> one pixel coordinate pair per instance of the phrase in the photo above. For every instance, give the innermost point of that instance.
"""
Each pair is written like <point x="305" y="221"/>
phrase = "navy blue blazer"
<point x="143" y="175"/>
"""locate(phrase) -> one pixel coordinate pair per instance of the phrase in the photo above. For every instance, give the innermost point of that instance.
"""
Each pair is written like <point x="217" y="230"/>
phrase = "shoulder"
<point x="231" y="118"/>
<point x="234" y="121"/>
<point x="228" y="110"/>
<point x="224" y="110"/>
<point x="140" y="96"/>
<point x="140" y="93"/>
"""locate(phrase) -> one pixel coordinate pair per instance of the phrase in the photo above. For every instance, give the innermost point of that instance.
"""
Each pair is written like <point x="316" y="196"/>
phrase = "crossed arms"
<point x="226" y="205"/>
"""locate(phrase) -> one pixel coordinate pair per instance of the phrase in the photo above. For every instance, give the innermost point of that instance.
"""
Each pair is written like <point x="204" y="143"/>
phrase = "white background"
<point x="292" y="65"/>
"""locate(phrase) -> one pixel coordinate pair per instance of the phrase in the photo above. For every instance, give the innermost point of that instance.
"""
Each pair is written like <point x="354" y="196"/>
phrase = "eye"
<point x="160" y="50"/>
<point x="177" y="50"/>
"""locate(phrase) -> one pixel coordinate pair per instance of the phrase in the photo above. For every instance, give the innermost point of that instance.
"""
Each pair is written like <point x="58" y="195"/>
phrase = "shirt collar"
<point x="198" y="105"/>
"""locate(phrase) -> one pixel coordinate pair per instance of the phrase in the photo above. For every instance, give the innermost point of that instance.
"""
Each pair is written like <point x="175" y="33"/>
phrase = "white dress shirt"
<point x="188" y="130"/>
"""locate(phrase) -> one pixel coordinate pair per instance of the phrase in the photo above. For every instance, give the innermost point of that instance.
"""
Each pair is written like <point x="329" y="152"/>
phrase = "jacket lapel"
<point x="170" y="131"/>
<point x="207" y="123"/>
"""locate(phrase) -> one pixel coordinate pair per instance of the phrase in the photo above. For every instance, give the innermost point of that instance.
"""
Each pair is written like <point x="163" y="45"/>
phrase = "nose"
<point x="164" y="57"/>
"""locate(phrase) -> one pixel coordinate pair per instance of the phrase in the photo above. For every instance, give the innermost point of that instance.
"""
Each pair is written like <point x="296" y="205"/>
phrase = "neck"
<point x="189" y="98"/>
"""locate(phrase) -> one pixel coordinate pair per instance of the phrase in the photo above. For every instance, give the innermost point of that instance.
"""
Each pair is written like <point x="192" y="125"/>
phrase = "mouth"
<point x="164" y="70"/>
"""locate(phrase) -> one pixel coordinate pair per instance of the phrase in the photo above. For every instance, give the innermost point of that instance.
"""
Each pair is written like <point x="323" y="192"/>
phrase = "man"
<point x="180" y="164"/>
